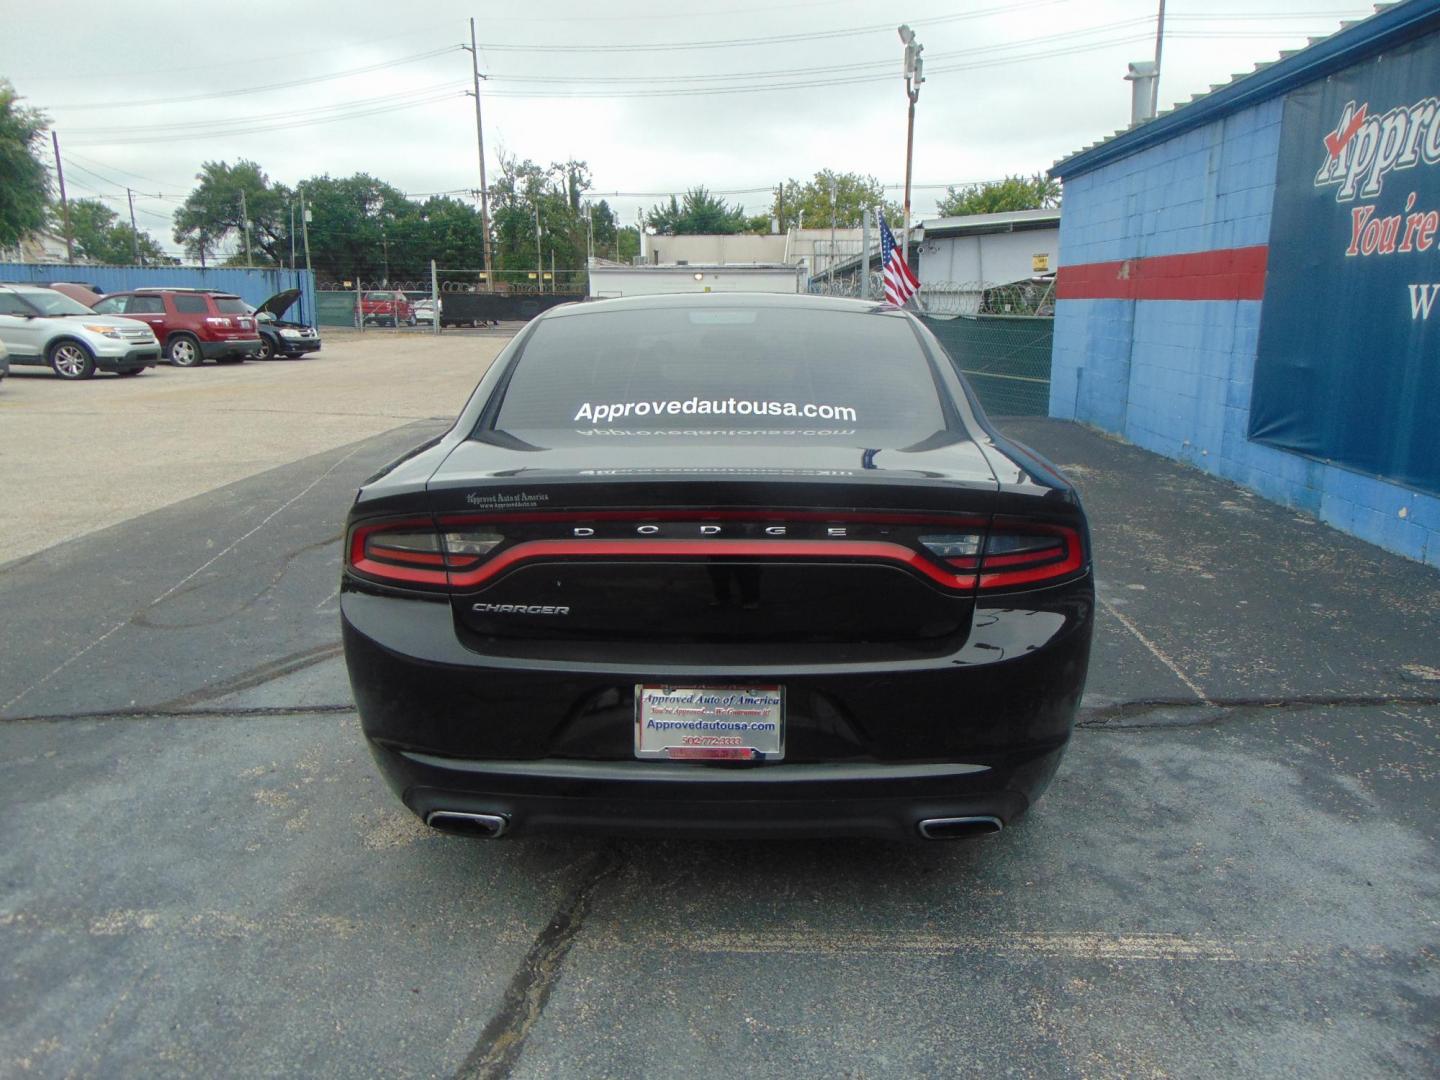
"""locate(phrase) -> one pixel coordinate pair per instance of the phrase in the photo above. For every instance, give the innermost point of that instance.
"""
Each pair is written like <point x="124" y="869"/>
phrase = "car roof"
<point x="753" y="300"/>
<point x="146" y="290"/>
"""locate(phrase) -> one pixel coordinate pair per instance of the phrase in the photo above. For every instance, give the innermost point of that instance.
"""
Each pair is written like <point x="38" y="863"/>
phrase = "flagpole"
<point x="909" y="150"/>
<point x="914" y="76"/>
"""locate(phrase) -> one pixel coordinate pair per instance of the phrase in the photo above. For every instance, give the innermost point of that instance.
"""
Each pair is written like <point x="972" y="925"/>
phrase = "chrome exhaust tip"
<point x="460" y="823"/>
<point x="959" y="828"/>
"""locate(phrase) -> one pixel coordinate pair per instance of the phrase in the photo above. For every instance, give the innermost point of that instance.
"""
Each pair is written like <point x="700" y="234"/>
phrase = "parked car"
<point x="278" y="337"/>
<point x="387" y="307"/>
<point x="4" y="360"/>
<point x="726" y="564"/>
<point x="41" y="326"/>
<point x="427" y="311"/>
<point x="84" y="294"/>
<point x="193" y="325"/>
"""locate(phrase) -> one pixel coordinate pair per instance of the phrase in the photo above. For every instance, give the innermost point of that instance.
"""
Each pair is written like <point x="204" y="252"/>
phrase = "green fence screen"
<point x="1006" y="358"/>
<point x="335" y="308"/>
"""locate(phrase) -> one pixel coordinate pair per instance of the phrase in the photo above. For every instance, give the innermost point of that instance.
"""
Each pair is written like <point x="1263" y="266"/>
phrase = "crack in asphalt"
<point x="142" y="617"/>
<point x="1149" y="714"/>
<point x="183" y="705"/>
<point x="256" y="676"/>
<point x="501" y="1043"/>
<point x="250" y="712"/>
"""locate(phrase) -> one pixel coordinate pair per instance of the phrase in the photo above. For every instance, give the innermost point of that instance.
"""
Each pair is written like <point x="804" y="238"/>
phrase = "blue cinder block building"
<point x="1251" y="282"/>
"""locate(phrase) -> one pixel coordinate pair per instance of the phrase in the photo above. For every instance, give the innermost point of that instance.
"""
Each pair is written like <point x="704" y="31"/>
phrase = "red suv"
<point x="388" y="307"/>
<point x="193" y="325"/>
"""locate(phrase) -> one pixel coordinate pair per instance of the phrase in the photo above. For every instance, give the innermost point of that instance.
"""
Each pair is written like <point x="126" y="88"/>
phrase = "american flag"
<point x="900" y="280"/>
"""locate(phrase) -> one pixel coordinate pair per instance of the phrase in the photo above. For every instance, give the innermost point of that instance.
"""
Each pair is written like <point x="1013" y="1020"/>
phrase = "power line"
<point x="271" y="127"/>
<point x="829" y="69"/>
<point x="219" y="125"/>
<point x="772" y="39"/>
<point x="309" y="80"/>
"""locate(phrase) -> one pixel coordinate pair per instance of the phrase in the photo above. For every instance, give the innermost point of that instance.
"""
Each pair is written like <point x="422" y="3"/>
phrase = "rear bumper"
<point x="871" y="748"/>
<point x="665" y="799"/>
<point x="219" y="350"/>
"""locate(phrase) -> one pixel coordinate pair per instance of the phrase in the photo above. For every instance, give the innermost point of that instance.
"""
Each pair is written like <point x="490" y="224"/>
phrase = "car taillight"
<point x="1021" y="553"/>
<point x="412" y="552"/>
<point x="223" y="323"/>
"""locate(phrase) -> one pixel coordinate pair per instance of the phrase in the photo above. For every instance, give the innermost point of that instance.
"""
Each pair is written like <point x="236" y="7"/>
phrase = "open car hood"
<point x="280" y="303"/>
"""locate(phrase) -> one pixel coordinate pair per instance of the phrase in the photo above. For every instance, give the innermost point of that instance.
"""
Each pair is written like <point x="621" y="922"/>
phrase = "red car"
<point x="387" y="307"/>
<point x="193" y="325"/>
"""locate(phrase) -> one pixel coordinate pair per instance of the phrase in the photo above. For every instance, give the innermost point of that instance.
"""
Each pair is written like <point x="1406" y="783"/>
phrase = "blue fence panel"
<point x="252" y="285"/>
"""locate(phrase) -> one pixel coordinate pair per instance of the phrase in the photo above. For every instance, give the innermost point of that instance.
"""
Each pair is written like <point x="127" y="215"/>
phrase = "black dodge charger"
<point x="719" y="564"/>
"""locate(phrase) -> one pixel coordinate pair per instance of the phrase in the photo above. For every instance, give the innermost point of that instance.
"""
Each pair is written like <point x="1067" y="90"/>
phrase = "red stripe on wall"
<point x="1231" y="274"/>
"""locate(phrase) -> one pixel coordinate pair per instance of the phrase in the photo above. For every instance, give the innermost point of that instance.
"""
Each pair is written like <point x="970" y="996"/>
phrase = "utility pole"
<point x="245" y="220"/>
<point x="134" y="232"/>
<point x="830" y="270"/>
<point x="474" y="51"/>
<point x="292" y="234"/>
<point x="64" y="202"/>
<point x="305" y="231"/>
<point x="914" y="76"/>
<point x="305" y="234"/>
<point x="1159" y="42"/>
<point x="539" y="259"/>
<point x="552" y="269"/>
<point x="865" y="254"/>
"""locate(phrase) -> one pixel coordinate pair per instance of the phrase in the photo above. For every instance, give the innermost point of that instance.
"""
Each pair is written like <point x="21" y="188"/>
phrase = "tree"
<point x="527" y="194"/>
<point x="700" y="212"/>
<point x="24" y="183"/>
<point x="808" y="205"/>
<point x="98" y="235"/>
<point x="1037" y="192"/>
<point x="363" y="228"/>
<point x="215" y="213"/>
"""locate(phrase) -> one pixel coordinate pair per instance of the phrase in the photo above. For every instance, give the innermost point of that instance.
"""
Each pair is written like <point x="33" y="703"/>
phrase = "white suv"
<point x="42" y="326"/>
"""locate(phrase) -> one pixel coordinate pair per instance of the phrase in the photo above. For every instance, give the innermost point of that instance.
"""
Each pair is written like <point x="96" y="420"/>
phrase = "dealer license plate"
<point x="710" y="723"/>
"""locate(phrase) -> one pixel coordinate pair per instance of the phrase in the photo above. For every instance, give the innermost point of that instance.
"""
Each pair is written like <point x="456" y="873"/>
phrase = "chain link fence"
<point x="1006" y="358"/>
<point x="998" y="336"/>
<point x="452" y="297"/>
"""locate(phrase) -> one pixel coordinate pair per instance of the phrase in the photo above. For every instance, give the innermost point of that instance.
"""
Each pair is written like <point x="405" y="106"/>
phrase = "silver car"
<point x="41" y="326"/>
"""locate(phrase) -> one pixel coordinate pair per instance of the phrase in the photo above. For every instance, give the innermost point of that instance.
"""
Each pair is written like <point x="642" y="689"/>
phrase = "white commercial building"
<point x="989" y="249"/>
<point x="609" y="279"/>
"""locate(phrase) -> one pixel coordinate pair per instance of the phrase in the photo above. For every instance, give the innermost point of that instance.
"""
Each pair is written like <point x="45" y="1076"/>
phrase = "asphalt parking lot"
<point x="201" y="873"/>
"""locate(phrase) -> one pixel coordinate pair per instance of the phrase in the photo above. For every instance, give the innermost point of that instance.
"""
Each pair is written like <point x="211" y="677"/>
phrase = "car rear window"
<point x="189" y="304"/>
<point x="756" y="374"/>
<point x="231" y="305"/>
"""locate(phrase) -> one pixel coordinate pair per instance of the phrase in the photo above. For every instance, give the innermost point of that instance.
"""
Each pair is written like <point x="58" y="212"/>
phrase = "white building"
<point x="608" y="279"/>
<point x="988" y="249"/>
<point x="813" y="249"/>
<point x="37" y="247"/>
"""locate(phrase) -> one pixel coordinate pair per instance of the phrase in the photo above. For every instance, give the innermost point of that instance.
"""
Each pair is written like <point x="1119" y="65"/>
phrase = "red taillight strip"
<point x="703" y="549"/>
<point x="1054" y="552"/>
<point x="1073" y="560"/>
<point x="387" y="571"/>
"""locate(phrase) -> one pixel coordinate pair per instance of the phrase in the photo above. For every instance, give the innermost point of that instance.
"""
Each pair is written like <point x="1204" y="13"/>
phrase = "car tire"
<point x="411" y="321"/>
<point x="267" y="350"/>
<point x="71" y="360"/>
<point x="183" y="350"/>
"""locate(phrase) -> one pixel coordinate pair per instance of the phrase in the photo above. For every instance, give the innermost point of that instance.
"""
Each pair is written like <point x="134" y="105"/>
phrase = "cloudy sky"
<point x="657" y="95"/>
